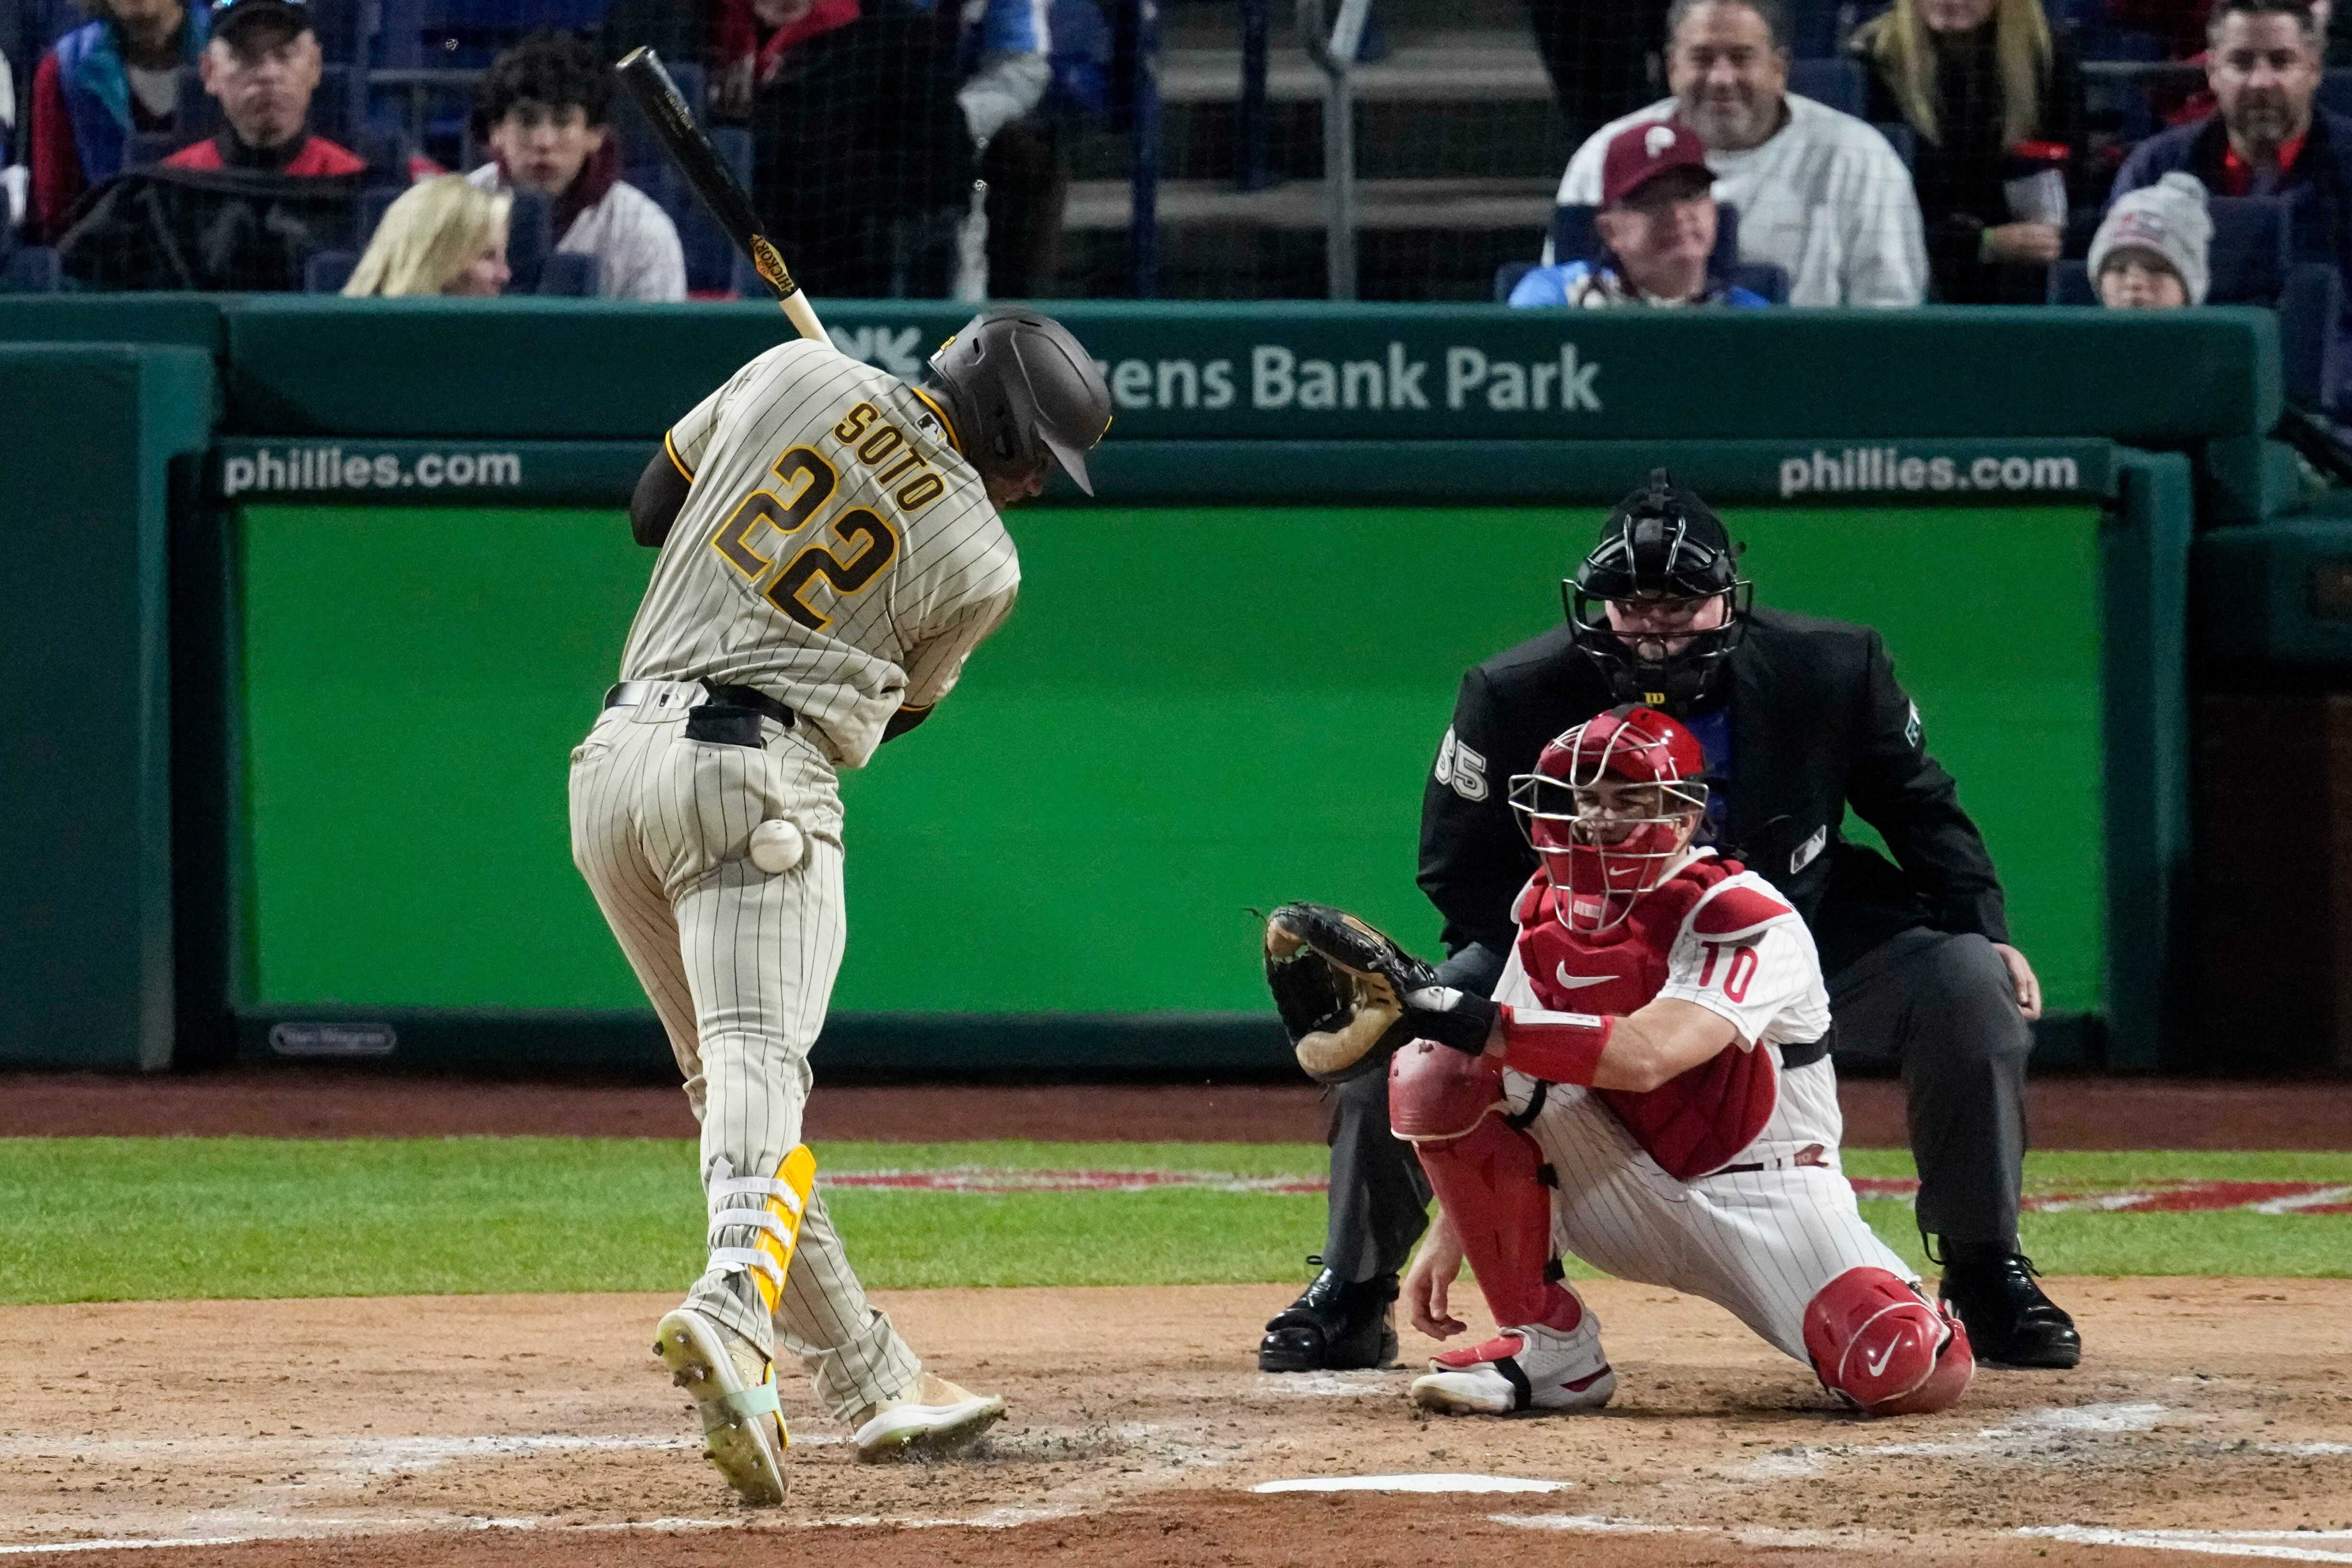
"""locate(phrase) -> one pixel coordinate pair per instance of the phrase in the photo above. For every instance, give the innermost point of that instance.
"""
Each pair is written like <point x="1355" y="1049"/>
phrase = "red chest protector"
<point x="1692" y="1124"/>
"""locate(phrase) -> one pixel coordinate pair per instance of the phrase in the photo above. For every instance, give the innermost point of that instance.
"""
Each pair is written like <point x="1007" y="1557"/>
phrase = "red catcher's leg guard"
<point x="1881" y="1348"/>
<point x="1487" y="1180"/>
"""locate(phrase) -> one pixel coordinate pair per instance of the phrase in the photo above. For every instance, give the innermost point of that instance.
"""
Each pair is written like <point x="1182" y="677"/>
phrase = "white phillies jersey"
<point x="1742" y="954"/>
<point x="834" y="552"/>
<point x="1767" y="981"/>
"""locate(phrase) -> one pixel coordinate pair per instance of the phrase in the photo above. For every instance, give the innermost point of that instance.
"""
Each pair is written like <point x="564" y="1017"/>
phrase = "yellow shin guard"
<point x="769" y="1259"/>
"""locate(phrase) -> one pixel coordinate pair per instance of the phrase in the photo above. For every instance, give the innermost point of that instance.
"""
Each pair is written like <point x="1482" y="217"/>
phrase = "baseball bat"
<point x="642" y="74"/>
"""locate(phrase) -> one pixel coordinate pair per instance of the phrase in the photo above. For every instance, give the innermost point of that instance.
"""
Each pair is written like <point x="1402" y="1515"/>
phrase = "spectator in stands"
<point x="1819" y="192"/>
<point x="114" y="76"/>
<point x="446" y="236"/>
<point x="543" y="108"/>
<point x="863" y="159"/>
<point x="1657" y="225"/>
<point x="2268" y="137"/>
<point x="263" y="63"/>
<point x="14" y="181"/>
<point x="2152" y="251"/>
<point x="1996" y="101"/>
<point x="1003" y="56"/>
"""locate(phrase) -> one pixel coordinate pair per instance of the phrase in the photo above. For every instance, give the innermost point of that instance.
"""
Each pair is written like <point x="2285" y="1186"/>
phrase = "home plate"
<point x="1430" y="1483"/>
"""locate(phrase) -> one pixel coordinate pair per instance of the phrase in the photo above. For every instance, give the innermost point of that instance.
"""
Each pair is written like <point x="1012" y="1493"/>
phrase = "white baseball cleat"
<point x="1521" y="1369"/>
<point x="935" y="1417"/>
<point x="733" y="1387"/>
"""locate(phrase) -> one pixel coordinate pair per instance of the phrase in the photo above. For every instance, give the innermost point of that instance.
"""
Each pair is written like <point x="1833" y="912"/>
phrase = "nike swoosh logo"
<point x="1878" y="1362"/>
<point x="1577" y="982"/>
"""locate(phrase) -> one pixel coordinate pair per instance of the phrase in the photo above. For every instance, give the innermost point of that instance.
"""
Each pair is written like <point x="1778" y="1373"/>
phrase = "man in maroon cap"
<point x="1656" y="227"/>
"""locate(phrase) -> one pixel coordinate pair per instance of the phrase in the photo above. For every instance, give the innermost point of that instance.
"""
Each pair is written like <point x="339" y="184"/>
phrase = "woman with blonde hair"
<point x="443" y="236"/>
<point x="1994" y="98"/>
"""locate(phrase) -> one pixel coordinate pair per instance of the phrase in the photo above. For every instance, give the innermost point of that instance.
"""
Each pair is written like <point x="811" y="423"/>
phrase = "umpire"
<point x="1801" y="719"/>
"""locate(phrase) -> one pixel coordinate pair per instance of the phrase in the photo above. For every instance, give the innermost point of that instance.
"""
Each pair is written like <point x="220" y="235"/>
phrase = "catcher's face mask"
<point x="1610" y="811"/>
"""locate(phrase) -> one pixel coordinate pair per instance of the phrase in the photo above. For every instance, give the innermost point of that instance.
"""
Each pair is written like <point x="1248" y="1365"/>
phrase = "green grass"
<point x="150" y="1218"/>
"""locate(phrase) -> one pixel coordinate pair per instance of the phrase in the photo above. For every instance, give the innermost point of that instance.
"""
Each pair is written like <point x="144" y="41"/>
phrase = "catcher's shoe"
<point x="1520" y="1369"/>
<point x="734" y="1391"/>
<point x="2010" y="1322"/>
<point x="1333" y="1327"/>
<point x="934" y="1416"/>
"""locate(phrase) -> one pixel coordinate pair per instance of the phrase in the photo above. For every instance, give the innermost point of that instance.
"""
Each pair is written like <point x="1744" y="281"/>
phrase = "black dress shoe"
<point x="2010" y="1322"/>
<point x="1334" y="1327"/>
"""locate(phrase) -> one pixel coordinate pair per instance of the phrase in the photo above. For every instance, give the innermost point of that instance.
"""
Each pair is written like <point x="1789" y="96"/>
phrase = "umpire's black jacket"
<point x="1818" y="723"/>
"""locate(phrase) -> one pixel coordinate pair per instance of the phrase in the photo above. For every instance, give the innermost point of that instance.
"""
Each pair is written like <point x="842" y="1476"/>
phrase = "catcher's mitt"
<point x="1347" y="995"/>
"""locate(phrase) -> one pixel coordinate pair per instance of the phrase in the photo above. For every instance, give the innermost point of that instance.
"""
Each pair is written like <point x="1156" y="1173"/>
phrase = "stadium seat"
<point x="2310" y="342"/>
<point x="1902" y="138"/>
<point x="327" y="272"/>
<point x="1817" y="28"/>
<point x="1766" y="279"/>
<point x="149" y="147"/>
<point x="2250" y="253"/>
<point x="529" y="239"/>
<point x="1573" y="235"/>
<point x="2070" y="283"/>
<point x="33" y="269"/>
<point x="373" y="204"/>
<point x="1756" y="277"/>
<point x="571" y="277"/>
<point x="1838" y="83"/>
<point x="711" y="255"/>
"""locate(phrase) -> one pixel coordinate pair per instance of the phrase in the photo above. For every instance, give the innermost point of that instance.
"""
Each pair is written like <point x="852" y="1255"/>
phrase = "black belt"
<point x="628" y="694"/>
<point x="1807" y="1053"/>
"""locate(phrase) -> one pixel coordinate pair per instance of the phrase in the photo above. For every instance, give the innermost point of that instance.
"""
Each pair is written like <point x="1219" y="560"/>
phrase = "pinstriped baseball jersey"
<point x="835" y="550"/>
<point x="1761" y="1237"/>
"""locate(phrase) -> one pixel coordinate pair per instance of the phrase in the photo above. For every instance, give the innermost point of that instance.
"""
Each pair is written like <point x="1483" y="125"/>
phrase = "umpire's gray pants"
<point x="1941" y="1006"/>
<point x="1943" y="1010"/>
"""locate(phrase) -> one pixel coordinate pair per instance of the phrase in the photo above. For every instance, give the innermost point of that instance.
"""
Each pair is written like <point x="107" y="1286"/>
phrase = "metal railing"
<point x="1334" y="56"/>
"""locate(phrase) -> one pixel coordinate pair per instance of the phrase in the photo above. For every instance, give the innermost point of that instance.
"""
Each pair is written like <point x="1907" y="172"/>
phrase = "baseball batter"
<point x="1650" y="1090"/>
<point x="831" y="553"/>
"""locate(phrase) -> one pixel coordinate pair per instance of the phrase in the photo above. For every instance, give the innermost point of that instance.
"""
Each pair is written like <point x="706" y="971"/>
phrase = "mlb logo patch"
<point x="1911" y="727"/>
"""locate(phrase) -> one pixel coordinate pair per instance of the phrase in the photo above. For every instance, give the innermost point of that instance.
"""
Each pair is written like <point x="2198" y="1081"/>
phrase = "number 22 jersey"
<point x="835" y="550"/>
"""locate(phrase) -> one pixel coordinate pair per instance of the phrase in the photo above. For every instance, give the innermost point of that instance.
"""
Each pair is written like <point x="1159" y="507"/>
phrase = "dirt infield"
<point x="2211" y="1415"/>
<point x="2068" y="1113"/>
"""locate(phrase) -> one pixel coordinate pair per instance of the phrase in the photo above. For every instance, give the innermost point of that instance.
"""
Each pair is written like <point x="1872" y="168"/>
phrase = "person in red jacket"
<point x="263" y="63"/>
<point x="101" y="83"/>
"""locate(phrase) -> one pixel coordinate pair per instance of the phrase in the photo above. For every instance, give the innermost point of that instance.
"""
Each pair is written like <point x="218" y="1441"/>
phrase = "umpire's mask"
<point x="1665" y="562"/>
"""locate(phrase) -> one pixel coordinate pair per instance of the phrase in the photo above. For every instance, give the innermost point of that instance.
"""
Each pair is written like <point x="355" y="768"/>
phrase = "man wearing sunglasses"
<point x="1801" y="719"/>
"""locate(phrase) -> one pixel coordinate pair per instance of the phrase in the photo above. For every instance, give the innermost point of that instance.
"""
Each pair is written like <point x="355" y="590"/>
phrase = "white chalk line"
<point x="1426" y="1483"/>
<point x="339" y="1529"/>
<point x="2028" y="1435"/>
<point x="2269" y="1544"/>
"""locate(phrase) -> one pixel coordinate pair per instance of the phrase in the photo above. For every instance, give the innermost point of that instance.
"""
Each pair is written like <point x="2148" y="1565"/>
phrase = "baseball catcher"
<point x="1650" y="1089"/>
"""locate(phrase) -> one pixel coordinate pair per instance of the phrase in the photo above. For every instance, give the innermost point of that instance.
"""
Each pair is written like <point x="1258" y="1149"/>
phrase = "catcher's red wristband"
<point x="1558" y="1048"/>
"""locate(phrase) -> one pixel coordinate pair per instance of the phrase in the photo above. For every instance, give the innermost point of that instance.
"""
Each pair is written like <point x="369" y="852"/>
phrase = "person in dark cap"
<point x="1801" y="719"/>
<point x="263" y="63"/>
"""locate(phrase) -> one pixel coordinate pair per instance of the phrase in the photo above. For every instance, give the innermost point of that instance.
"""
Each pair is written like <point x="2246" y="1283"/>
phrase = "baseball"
<point x="777" y="846"/>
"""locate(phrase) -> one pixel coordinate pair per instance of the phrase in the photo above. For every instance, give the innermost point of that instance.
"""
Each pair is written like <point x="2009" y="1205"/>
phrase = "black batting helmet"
<point x="1017" y="380"/>
<point x="1661" y="543"/>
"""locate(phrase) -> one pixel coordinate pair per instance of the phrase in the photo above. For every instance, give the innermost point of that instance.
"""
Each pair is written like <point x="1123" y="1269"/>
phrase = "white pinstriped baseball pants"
<point x="740" y="966"/>
<point x="1757" y="1243"/>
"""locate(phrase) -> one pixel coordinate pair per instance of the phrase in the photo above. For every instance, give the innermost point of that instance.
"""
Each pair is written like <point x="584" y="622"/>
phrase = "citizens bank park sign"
<point x="1480" y="372"/>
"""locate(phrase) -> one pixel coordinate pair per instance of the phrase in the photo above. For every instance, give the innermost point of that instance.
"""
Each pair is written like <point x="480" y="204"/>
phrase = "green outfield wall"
<point x="402" y="581"/>
<point x="1193" y="713"/>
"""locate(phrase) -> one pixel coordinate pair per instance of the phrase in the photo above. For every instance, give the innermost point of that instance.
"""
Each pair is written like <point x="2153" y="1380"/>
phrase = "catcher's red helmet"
<point x="1605" y="811"/>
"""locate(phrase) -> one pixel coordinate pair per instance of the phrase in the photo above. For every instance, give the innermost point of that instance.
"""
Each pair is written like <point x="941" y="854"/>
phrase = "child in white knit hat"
<point x="2152" y="251"/>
